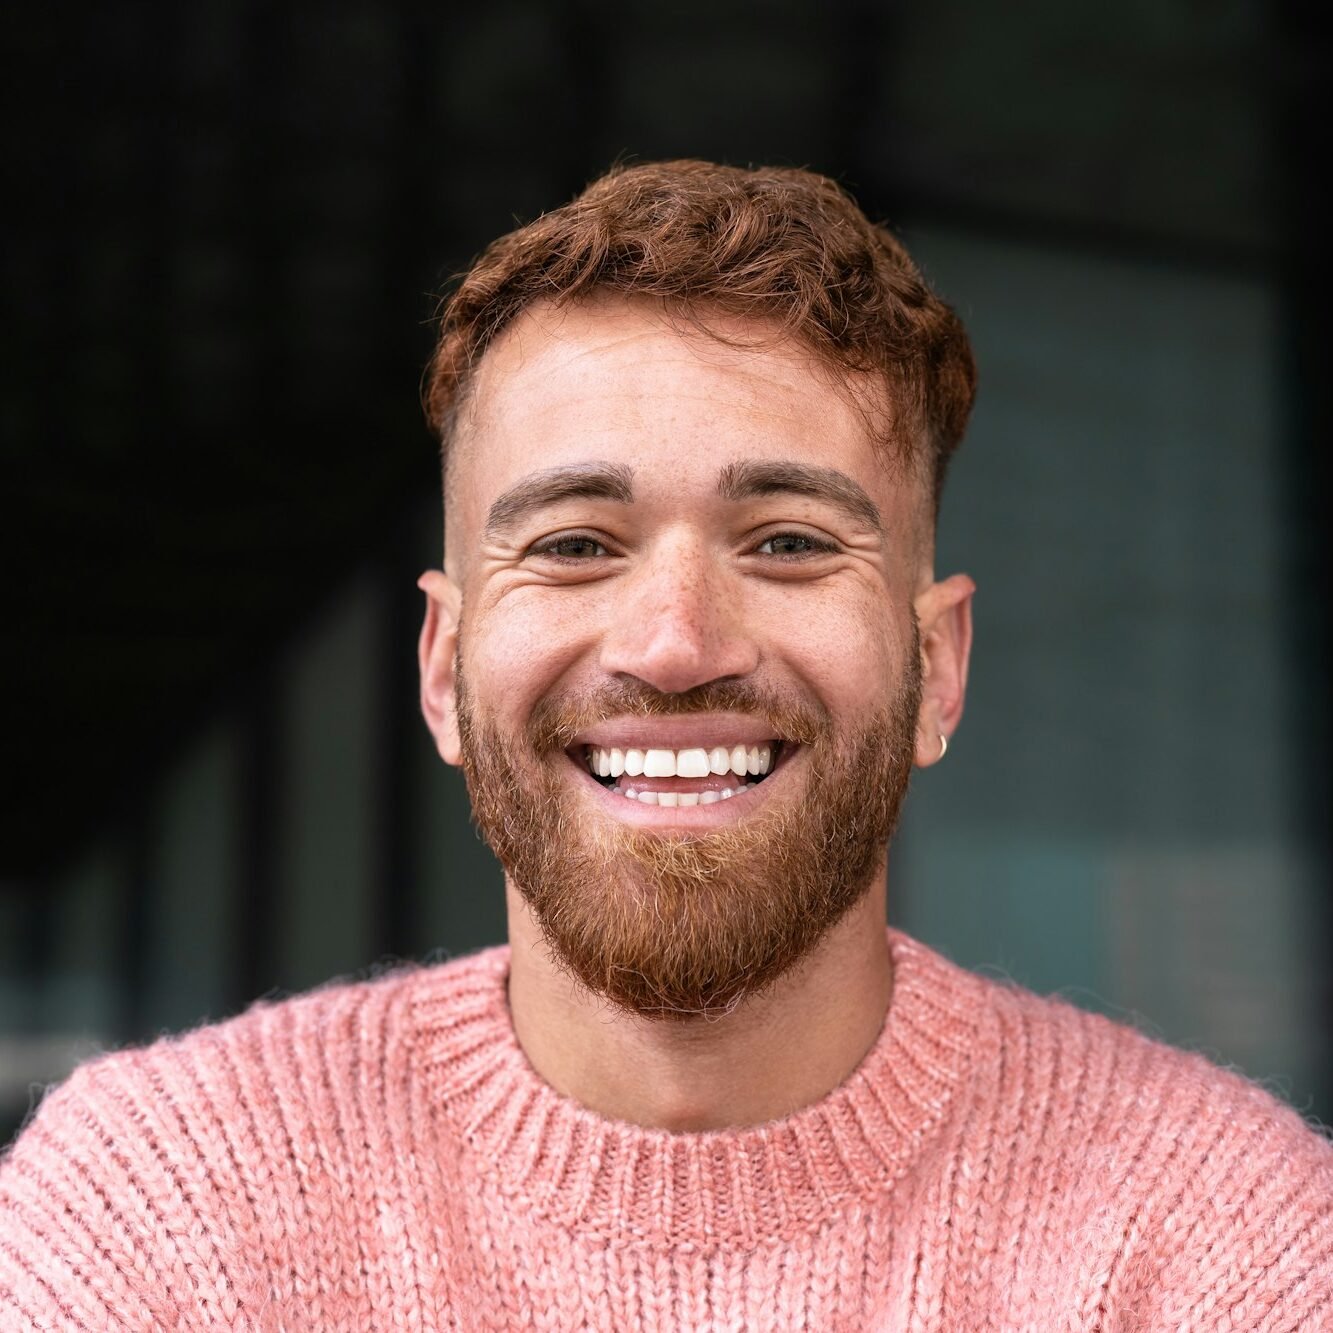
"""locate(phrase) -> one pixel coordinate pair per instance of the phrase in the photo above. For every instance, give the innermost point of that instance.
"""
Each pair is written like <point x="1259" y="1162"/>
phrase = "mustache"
<point x="555" y="722"/>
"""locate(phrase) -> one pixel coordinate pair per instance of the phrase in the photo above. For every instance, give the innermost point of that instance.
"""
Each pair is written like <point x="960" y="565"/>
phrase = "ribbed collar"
<point x="595" y="1175"/>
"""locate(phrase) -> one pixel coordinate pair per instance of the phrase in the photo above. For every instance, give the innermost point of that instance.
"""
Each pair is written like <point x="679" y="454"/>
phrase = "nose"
<point x="679" y="622"/>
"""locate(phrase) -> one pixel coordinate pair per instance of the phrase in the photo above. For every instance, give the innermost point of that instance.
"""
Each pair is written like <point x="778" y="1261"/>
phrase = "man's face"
<point x="677" y="652"/>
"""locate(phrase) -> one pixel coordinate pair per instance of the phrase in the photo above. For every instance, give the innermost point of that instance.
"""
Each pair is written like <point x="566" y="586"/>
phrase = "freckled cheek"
<point x="852" y="660"/>
<point x="514" y="658"/>
<point x="847" y="675"/>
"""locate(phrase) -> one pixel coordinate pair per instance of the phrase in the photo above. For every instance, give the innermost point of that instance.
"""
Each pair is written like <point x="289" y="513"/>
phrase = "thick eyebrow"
<point x="597" y="481"/>
<point x="746" y="481"/>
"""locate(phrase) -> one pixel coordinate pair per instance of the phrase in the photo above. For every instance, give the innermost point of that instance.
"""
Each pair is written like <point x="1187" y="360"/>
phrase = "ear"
<point x="944" y="615"/>
<point x="435" y="655"/>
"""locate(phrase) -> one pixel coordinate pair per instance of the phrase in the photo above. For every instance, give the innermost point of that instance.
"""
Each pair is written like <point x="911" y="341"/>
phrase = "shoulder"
<point x="162" y="1088"/>
<point x="153" y="1179"/>
<point x="1064" y="1086"/>
<point x="366" y="1030"/>
<point x="1119" y="1076"/>
<point x="1202" y="1194"/>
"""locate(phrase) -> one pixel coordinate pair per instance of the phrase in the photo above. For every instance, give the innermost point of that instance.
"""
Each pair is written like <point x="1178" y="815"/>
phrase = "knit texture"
<point x="382" y="1156"/>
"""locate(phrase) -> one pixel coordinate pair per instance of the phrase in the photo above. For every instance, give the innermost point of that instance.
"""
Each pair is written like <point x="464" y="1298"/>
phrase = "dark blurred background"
<point x="224" y="229"/>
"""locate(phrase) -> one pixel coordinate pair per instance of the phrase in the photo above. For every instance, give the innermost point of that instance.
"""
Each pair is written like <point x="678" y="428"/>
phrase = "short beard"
<point x="687" y="925"/>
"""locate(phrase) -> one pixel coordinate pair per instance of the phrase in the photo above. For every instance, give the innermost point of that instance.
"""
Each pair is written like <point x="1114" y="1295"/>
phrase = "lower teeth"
<point x="685" y="798"/>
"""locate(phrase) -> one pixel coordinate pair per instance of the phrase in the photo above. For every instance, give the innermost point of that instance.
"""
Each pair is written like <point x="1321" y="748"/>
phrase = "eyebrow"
<point x="748" y="481"/>
<point x="577" y="481"/>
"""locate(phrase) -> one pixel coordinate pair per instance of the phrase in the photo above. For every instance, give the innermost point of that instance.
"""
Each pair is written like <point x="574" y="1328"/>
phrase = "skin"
<point x="676" y="588"/>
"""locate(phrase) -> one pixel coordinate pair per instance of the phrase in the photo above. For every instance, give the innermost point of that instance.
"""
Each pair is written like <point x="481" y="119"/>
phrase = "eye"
<point x="794" y="546"/>
<point x="569" y="546"/>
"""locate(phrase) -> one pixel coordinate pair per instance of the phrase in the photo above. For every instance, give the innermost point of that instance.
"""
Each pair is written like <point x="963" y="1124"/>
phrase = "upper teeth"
<point x="696" y="763"/>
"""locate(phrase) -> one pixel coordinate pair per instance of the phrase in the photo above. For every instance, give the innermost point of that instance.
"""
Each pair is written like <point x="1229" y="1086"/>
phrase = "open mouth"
<point x="699" y="775"/>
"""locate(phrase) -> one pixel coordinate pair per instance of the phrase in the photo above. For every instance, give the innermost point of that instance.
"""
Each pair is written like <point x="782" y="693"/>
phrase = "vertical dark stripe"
<point x="1301" y="129"/>
<point x="592" y="93"/>
<point x="151" y="188"/>
<point x="261" y="107"/>
<point x="255" y="971"/>
<point x="422" y="240"/>
<point x="396" y="927"/>
<point x="154" y="187"/>
<point x="134" y="957"/>
<point x="39" y="911"/>
<point x="861" y="159"/>
<point x="263" y="229"/>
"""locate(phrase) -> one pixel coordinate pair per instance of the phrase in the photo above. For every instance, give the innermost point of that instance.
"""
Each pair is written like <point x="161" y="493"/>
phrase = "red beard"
<point x="683" y="925"/>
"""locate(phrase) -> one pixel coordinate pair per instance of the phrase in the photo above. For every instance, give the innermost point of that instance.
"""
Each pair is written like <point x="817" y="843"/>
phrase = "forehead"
<point x="622" y="381"/>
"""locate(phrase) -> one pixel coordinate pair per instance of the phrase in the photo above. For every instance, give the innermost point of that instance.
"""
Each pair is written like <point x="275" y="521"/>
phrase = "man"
<point x="687" y="645"/>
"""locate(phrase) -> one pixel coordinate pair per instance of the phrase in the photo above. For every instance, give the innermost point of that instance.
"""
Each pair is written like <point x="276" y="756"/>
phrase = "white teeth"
<point x="697" y="762"/>
<point x="681" y="798"/>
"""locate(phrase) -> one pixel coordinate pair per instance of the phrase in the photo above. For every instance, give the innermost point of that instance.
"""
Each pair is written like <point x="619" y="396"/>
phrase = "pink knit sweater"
<point x="381" y="1156"/>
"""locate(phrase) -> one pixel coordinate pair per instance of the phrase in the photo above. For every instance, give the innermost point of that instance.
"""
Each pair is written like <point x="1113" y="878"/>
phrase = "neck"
<point x="773" y="1054"/>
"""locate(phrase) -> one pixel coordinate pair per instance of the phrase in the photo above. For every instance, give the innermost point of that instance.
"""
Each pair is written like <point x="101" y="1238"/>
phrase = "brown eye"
<point x="793" y="545"/>
<point x="574" y="547"/>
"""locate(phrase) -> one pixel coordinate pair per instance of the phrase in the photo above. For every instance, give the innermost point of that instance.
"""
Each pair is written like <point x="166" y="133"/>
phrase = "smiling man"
<point x="688" y="644"/>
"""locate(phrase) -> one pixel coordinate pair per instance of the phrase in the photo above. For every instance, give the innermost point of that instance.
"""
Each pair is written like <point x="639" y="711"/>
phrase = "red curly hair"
<point x="787" y="248"/>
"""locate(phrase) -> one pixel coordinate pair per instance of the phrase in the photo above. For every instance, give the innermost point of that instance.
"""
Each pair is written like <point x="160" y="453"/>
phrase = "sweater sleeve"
<point x="99" y="1227"/>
